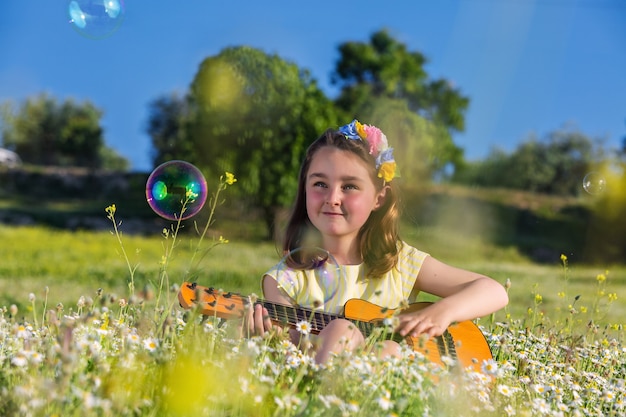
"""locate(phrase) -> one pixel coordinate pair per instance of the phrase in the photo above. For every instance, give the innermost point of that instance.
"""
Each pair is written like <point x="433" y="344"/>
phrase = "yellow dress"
<point x="329" y="288"/>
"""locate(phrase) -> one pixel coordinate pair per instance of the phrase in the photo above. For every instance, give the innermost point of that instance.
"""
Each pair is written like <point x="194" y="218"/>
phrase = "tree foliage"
<point x="254" y="114"/>
<point x="554" y="165"/>
<point x="249" y="113"/>
<point x="416" y="141"/>
<point x="45" y="132"/>
<point x="384" y="69"/>
<point x="169" y="118"/>
<point x="606" y="237"/>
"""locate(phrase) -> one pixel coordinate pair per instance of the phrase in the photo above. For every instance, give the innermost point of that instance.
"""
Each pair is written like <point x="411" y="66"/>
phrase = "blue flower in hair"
<point x="378" y="146"/>
<point x="353" y="130"/>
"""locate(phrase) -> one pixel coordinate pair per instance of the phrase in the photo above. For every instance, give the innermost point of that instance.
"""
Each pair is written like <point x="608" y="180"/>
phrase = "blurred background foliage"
<point x="254" y="114"/>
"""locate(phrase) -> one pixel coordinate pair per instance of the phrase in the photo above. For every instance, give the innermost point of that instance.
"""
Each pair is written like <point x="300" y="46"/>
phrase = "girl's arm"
<point x="465" y="295"/>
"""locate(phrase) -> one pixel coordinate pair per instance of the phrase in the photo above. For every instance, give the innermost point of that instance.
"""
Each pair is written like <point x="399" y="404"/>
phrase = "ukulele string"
<point x="281" y="313"/>
<point x="294" y="315"/>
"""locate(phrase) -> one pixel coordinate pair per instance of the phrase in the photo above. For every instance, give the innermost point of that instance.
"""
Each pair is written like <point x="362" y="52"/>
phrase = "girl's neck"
<point x="344" y="252"/>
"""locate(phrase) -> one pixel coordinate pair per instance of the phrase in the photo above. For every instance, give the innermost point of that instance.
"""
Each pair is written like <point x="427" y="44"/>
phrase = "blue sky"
<point x="528" y="66"/>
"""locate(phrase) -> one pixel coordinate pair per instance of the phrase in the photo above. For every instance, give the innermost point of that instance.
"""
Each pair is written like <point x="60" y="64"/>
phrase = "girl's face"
<point x="340" y="194"/>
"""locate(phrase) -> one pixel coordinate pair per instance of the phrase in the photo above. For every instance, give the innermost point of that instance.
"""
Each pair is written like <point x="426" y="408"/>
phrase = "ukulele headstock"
<point x="211" y="301"/>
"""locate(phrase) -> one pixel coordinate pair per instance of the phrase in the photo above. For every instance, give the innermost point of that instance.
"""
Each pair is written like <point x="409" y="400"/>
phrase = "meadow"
<point x="91" y="326"/>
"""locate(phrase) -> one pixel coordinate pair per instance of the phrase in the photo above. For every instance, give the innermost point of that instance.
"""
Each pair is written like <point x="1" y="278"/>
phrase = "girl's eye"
<point x="319" y="184"/>
<point x="350" y="187"/>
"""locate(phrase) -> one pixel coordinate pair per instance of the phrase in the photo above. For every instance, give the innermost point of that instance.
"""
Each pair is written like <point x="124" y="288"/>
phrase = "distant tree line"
<point x="43" y="131"/>
<point x="555" y="164"/>
<point x="254" y="114"/>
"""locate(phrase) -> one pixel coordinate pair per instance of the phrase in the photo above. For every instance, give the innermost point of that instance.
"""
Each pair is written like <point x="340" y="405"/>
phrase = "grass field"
<point x="76" y="339"/>
<point x="67" y="265"/>
<point x="496" y="232"/>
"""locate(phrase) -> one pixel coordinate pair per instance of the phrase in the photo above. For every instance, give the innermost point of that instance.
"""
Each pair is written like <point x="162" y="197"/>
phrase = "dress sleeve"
<point x="287" y="280"/>
<point x="410" y="262"/>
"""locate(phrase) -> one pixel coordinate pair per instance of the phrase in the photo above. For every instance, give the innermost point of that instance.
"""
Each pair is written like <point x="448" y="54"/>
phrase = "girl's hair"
<point x="379" y="241"/>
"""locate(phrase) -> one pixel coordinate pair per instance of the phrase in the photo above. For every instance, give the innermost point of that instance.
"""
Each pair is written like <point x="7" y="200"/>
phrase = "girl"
<point x="347" y="204"/>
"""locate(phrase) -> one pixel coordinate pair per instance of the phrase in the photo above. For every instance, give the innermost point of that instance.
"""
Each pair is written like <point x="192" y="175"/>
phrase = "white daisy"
<point x="490" y="367"/>
<point x="505" y="390"/>
<point x="304" y="327"/>
<point x="150" y="344"/>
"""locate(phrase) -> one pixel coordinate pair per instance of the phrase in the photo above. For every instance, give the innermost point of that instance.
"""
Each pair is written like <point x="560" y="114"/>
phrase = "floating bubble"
<point x="176" y="190"/>
<point x="316" y="263"/>
<point x="96" y="19"/>
<point x="594" y="183"/>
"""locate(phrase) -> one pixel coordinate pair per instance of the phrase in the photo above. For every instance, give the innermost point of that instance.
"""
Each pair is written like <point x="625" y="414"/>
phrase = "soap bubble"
<point x="96" y="19"/>
<point x="319" y="265"/>
<point x="176" y="190"/>
<point x="594" y="183"/>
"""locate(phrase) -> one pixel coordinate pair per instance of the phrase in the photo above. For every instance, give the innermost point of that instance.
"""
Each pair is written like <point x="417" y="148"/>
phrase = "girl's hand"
<point x="429" y="321"/>
<point x="256" y="321"/>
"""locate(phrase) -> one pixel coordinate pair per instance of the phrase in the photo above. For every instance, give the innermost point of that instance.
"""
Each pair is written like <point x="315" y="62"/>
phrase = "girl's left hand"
<point x="428" y="321"/>
<point x="255" y="321"/>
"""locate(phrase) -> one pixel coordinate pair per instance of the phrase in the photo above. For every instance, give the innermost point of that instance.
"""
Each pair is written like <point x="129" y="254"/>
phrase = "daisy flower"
<point x="303" y="327"/>
<point x="150" y="344"/>
<point x="490" y="367"/>
<point x="505" y="390"/>
<point x="384" y="401"/>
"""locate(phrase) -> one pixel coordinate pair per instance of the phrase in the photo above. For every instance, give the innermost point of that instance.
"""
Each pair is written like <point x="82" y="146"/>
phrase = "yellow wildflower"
<point x="110" y="211"/>
<point x="191" y="195"/>
<point x="230" y="178"/>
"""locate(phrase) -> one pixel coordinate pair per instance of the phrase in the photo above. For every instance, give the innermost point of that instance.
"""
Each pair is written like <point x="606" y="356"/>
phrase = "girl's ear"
<point x="381" y="197"/>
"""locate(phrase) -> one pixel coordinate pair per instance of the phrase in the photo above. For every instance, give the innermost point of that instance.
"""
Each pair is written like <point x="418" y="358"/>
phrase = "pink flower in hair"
<point x="378" y="147"/>
<point x="376" y="138"/>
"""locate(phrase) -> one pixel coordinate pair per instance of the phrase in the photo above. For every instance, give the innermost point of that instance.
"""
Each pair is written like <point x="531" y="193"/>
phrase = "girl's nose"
<point x="333" y="198"/>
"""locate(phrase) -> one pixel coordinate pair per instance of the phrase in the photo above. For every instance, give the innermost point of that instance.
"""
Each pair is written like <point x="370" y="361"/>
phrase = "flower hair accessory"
<point x="379" y="148"/>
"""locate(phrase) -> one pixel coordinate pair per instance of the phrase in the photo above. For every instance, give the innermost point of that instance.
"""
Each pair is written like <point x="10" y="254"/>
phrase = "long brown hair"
<point x="379" y="240"/>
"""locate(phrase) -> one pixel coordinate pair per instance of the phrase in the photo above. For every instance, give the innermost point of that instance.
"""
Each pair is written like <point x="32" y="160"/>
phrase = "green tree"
<point x="167" y="126"/>
<point x="385" y="69"/>
<point x="45" y="132"/>
<point x="554" y="165"/>
<point x="417" y="147"/>
<point x="111" y="160"/>
<point x="606" y="236"/>
<point x="254" y="114"/>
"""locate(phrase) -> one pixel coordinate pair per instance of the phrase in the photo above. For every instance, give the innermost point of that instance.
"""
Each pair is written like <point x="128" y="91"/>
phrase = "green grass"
<point x="74" y="264"/>
<point x="67" y="265"/>
<point x="558" y="285"/>
<point x="147" y="357"/>
<point x="495" y="232"/>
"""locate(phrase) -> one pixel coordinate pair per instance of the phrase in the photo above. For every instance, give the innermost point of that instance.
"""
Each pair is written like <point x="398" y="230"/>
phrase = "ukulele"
<point x="462" y="341"/>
